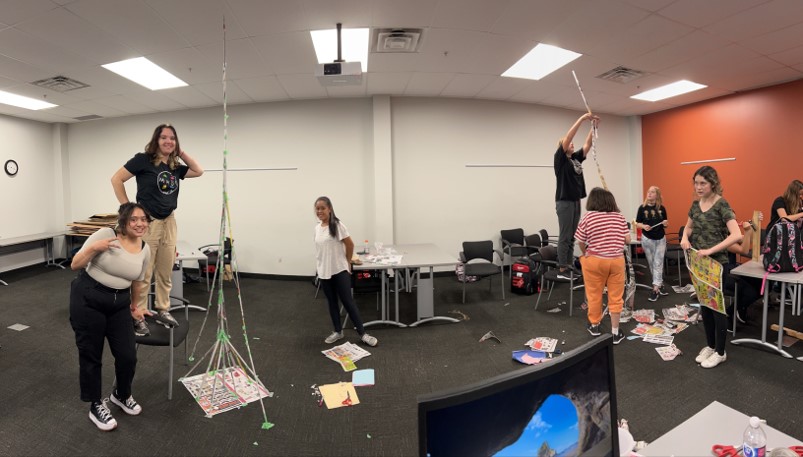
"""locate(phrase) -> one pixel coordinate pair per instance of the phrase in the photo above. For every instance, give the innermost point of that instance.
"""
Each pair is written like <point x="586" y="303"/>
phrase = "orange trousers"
<point x="598" y="273"/>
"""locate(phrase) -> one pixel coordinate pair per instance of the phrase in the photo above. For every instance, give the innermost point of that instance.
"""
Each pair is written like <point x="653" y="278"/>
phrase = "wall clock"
<point x="11" y="167"/>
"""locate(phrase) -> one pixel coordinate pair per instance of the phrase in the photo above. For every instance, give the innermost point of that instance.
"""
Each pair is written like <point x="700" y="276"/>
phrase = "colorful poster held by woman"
<point x="706" y="275"/>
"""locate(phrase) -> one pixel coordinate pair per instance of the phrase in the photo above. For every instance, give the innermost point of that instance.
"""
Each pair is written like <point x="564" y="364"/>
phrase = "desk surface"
<point x="413" y="256"/>
<point x="186" y="252"/>
<point x="756" y="270"/>
<point x="30" y="238"/>
<point x="715" y="424"/>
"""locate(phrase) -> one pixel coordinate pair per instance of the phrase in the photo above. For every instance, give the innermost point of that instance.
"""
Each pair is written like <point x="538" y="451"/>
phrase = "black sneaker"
<point x="141" y="328"/>
<point x="100" y="415"/>
<point x="593" y="329"/>
<point x="741" y="316"/>
<point x="662" y="290"/>
<point x="618" y="337"/>
<point x="129" y="405"/>
<point x="653" y="296"/>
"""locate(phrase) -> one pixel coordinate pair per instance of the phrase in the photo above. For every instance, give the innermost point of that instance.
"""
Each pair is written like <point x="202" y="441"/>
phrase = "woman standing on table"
<point x="333" y="251"/>
<point x="711" y="228"/>
<point x="651" y="219"/>
<point x="102" y="303"/>
<point x="158" y="171"/>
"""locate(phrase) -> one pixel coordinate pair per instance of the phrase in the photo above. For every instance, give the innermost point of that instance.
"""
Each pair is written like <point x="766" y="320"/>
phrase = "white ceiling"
<point x="729" y="45"/>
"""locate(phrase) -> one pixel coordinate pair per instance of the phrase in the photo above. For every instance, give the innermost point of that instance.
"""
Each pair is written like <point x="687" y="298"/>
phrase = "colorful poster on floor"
<point x="706" y="275"/>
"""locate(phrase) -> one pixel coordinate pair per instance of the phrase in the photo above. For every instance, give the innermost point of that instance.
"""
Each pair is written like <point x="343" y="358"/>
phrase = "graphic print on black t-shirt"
<point x="166" y="182"/>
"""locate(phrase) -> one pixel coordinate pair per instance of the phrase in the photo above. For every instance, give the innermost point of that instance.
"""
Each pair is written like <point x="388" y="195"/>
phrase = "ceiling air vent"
<point x="60" y="84"/>
<point x="622" y="75"/>
<point x="88" y="117"/>
<point x="396" y="40"/>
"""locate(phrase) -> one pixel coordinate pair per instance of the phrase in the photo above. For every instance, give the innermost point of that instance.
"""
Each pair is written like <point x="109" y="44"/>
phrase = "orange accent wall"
<point x="760" y="128"/>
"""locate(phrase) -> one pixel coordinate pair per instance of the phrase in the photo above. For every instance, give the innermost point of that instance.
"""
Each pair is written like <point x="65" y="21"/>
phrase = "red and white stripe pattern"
<point x="603" y="233"/>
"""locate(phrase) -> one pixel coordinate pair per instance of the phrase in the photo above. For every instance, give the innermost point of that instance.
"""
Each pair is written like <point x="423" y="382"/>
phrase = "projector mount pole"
<point x="339" y="48"/>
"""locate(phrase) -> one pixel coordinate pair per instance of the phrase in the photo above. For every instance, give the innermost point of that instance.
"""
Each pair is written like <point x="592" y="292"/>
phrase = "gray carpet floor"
<point x="41" y="413"/>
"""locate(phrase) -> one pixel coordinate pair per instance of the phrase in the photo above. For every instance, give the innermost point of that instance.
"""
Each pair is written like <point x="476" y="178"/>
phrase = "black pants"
<point x="98" y="313"/>
<point x="716" y="328"/>
<point x="339" y="286"/>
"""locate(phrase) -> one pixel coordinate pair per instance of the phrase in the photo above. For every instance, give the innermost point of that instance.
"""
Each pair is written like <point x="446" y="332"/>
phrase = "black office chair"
<point x="546" y="239"/>
<point x="513" y="245"/>
<point x="477" y="258"/>
<point x="548" y="258"/>
<point x="212" y="252"/>
<point x="673" y="245"/>
<point x="532" y="243"/>
<point x="169" y="336"/>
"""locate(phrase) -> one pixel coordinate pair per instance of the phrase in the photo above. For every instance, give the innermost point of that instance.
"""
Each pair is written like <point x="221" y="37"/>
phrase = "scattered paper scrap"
<point x="554" y="310"/>
<point x="659" y="339"/>
<point x="463" y="317"/>
<point x="668" y="352"/>
<point x="346" y="354"/>
<point x="543" y="344"/>
<point x="530" y="357"/>
<point x="339" y="395"/>
<point x="688" y="288"/>
<point x="644" y="315"/>
<point x="361" y="378"/>
<point x="488" y="336"/>
<point x="18" y="327"/>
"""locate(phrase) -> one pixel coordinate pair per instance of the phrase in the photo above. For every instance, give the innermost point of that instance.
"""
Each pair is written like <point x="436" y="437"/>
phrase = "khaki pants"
<point x="161" y="238"/>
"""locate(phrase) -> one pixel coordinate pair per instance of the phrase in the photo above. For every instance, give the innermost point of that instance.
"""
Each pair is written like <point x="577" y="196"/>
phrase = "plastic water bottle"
<point x="755" y="440"/>
<point x="365" y="249"/>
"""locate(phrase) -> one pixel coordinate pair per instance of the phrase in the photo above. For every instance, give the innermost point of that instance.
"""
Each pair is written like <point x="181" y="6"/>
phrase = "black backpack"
<point x="524" y="277"/>
<point x="783" y="248"/>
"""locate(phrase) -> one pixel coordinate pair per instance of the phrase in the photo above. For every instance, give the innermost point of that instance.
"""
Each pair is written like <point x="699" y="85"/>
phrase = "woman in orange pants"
<point x="602" y="236"/>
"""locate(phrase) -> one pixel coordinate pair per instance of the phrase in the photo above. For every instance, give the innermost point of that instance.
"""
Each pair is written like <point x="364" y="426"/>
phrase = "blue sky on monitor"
<point x="555" y="422"/>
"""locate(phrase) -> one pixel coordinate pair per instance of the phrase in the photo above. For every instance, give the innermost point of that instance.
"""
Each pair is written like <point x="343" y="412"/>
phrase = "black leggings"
<point x="716" y="328"/>
<point x="98" y="313"/>
<point x="339" y="286"/>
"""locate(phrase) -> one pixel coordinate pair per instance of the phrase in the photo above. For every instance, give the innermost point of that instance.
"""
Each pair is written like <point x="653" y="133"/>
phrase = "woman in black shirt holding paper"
<point x="651" y="219"/>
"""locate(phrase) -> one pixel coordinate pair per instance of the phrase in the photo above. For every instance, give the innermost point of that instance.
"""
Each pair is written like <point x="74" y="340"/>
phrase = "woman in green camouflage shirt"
<point x="711" y="228"/>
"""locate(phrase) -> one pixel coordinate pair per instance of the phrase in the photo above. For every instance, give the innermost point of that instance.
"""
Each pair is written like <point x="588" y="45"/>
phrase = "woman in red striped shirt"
<point x="602" y="235"/>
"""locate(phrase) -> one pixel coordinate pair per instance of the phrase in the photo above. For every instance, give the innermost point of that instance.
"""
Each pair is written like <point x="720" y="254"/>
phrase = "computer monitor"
<point x="563" y="407"/>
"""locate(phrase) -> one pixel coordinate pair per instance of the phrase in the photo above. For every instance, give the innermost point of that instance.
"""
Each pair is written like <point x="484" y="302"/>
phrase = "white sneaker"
<point x="369" y="340"/>
<point x="704" y="354"/>
<point x="333" y="337"/>
<point x="714" y="360"/>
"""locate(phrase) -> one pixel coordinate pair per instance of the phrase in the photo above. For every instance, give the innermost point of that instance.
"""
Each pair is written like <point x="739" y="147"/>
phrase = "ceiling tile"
<point x="234" y="95"/>
<point x="407" y="13"/>
<point x="427" y="84"/>
<point x="242" y="59"/>
<point x="388" y="83"/>
<point x="531" y="20"/>
<point x="685" y="48"/>
<point x="468" y="14"/>
<point x="791" y="57"/>
<point x="190" y="97"/>
<point x="133" y="22"/>
<point x="13" y="12"/>
<point x="325" y="14"/>
<point x="502" y="88"/>
<point x="84" y="38"/>
<point x="34" y="51"/>
<point x="198" y="22"/>
<point x="466" y="85"/>
<point x="699" y="14"/>
<point x="290" y="52"/>
<point x="263" y="89"/>
<point x="268" y="17"/>
<point x="302" y="86"/>
<point x="762" y="19"/>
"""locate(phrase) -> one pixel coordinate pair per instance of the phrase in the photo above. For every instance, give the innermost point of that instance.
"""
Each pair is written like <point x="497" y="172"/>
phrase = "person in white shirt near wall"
<point x="333" y="251"/>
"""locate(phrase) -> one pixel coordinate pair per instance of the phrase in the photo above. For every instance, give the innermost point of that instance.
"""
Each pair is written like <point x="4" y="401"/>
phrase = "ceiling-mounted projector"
<point x="339" y="73"/>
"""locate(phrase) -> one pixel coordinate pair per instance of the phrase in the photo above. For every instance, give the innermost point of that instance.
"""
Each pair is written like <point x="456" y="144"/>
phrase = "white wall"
<point x="31" y="200"/>
<point x="341" y="150"/>
<point x="440" y="200"/>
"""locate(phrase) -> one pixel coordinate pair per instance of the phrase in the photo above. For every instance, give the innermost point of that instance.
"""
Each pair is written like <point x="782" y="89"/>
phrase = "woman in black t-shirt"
<point x="158" y="171"/>
<point x="789" y="205"/>
<point x="651" y="219"/>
